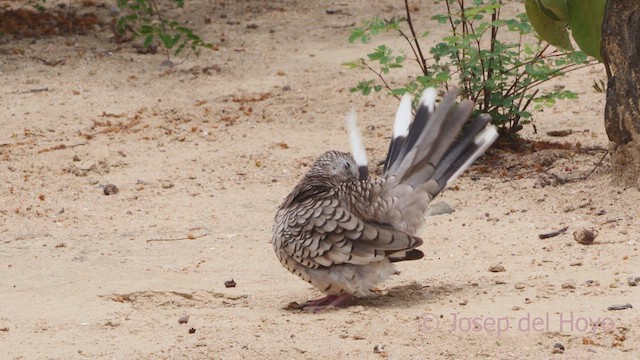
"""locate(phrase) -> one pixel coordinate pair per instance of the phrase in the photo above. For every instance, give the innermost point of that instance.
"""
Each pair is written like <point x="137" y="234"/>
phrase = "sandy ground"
<point x="203" y="153"/>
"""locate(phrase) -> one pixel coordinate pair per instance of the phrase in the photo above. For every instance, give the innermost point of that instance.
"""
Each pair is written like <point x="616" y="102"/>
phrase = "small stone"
<point x="230" y="283"/>
<point x="620" y="307"/>
<point x="557" y="348"/>
<point x="585" y="236"/>
<point x="183" y="319"/>
<point x="520" y="286"/>
<point x="633" y="280"/>
<point x="110" y="189"/>
<point x="497" y="268"/>
<point x="167" y="185"/>
<point x="440" y="208"/>
<point x="568" y="285"/>
<point x="464" y="302"/>
<point x="379" y="349"/>
<point x="592" y="283"/>
<point x="192" y="331"/>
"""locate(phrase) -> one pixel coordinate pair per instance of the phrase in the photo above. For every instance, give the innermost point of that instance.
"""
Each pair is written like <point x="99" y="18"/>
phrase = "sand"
<point x="203" y="153"/>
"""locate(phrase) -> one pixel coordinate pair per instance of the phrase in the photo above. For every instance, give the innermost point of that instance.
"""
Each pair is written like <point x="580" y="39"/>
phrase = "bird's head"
<point x="336" y="165"/>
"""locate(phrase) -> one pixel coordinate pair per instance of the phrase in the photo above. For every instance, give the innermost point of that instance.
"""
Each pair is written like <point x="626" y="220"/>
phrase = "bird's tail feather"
<point x="357" y="145"/>
<point x="400" y="130"/>
<point x="437" y="148"/>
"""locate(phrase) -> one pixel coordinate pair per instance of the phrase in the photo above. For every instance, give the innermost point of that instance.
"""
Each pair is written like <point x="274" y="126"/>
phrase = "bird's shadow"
<point x="408" y="295"/>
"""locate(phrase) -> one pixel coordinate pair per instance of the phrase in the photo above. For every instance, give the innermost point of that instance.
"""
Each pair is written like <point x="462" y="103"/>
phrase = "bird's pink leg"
<point x="323" y="301"/>
<point x="327" y="302"/>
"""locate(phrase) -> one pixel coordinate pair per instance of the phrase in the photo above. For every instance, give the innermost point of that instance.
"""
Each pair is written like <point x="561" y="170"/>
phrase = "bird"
<point x="342" y="231"/>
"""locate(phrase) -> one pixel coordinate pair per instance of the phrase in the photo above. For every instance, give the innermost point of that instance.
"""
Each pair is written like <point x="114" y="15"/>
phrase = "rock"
<point x="497" y="268"/>
<point x="568" y="285"/>
<point x="557" y="348"/>
<point x="633" y="280"/>
<point x="110" y="189"/>
<point x="620" y="307"/>
<point x="585" y="236"/>
<point x="230" y="283"/>
<point x="439" y="208"/>
<point x="379" y="349"/>
<point x="183" y="319"/>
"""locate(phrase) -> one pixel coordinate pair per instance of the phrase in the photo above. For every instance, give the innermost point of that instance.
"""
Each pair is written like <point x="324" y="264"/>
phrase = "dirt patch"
<point x="203" y="153"/>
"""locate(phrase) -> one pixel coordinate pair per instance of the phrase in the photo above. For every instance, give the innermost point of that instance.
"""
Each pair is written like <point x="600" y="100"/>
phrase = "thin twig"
<point x="592" y="170"/>
<point x="60" y="147"/>
<point x="417" y="59"/>
<point x="29" y="91"/>
<point x="185" y="58"/>
<point x="553" y="233"/>
<point x="423" y="61"/>
<point x="190" y="237"/>
<point x="164" y="30"/>
<point x="47" y="62"/>
<point x="381" y="78"/>
<point x="494" y="36"/>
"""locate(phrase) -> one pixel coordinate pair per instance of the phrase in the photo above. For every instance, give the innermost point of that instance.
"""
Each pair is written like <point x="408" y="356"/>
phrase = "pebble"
<point x="440" y="208"/>
<point x="110" y="189"/>
<point x="183" y="319"/>
<point x="230" y="283"/>
<point x="497" y="268"/>
<point x="585" y="236"/>
<point x="620" y="307"/>
<point x="379" y="349"/>
<point x="568" y="285"/>
<point x="557" y="348"/>
<point x="633" y="280"/>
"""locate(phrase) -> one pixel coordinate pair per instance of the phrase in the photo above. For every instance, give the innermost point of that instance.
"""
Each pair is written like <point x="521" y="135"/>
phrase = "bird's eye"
<point x="346" y="165"/>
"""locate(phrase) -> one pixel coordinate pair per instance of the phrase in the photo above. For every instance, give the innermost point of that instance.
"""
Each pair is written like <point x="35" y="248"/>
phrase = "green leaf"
<point x="147" y="41"/>
<point x="358" y="33"/>
<point x="558" y="8"/>
<point x="441" y="18"/>
<point x="551" y="31"/>
<point x="399" y="91"/>
<point x="586" y="25"/>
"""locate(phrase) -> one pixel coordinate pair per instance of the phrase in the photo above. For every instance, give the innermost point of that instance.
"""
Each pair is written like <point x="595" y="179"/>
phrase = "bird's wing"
<point x="323" y="231"/>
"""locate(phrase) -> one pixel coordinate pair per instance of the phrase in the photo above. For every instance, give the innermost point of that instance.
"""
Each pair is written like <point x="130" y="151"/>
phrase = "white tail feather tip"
<point x="403" y="116"/>
<point x="428" y="98"/>
<point x="355" y="138"/>
<point x="484" y="139"/>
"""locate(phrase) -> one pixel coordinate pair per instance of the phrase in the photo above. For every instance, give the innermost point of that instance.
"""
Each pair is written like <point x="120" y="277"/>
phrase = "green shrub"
<point x="500" y="75"/>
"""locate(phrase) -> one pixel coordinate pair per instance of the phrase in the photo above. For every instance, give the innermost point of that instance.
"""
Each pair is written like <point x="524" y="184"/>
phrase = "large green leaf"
<point x="557" y="7"/>
<point x="552" y="31"/>
<point x="586" y="24"/>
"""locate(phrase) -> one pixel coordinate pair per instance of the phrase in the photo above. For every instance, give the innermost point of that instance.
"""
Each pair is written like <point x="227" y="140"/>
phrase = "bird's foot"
<point x="322" y="304"/>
